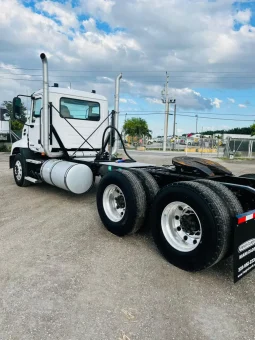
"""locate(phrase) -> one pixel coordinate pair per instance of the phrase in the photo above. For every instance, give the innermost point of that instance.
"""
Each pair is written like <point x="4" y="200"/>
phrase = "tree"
<point x="136" y="127"/>
<point x="16" y="124"/>
<point x="252" y="129"/>
<point x="239" y="131"/>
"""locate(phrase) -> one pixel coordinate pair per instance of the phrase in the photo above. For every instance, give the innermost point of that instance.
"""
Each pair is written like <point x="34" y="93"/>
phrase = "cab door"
<point x="34" y="137"/>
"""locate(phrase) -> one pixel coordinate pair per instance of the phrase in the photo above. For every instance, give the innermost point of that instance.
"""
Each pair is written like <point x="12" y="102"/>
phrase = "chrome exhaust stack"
<point x="45" y="111"/>
<point x="116" y="109"/>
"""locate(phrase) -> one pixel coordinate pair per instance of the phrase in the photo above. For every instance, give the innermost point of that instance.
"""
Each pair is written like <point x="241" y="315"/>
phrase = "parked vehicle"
<point x="190" y="205"/>
<point x="4" y="124"/>
<point x="182" y="141"/>
<point x="159" y="139"/>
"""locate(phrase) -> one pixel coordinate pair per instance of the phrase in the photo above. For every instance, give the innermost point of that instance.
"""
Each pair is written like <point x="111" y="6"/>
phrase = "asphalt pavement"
<point x="64" y="276"/>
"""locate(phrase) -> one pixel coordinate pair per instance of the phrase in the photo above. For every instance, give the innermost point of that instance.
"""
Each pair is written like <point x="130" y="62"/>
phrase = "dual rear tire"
<point x="124" y="198"/>
<point x="191" y="222"/>
<point x="192" y="225"/>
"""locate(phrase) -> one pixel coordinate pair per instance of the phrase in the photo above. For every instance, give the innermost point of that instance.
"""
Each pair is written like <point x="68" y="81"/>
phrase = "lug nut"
<point x="179" y="228"/>
<point x="177" y="217"/>
<point x="195" y="242"/>
<point x="185" y="238"/>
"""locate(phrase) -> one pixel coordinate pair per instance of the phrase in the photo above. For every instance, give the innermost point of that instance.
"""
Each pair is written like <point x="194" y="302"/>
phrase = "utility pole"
<point x="166" y="101"/>
<point x="196" y="122"/>
<point x="174" y="126"/>
<point x="123" y="131"/>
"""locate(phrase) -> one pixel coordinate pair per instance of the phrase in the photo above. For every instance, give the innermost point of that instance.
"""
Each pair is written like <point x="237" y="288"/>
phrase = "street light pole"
<point x="196" y="122"/>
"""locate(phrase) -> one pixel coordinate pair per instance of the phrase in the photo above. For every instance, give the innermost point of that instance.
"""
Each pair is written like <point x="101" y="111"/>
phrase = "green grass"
<point x="5" y="148"/>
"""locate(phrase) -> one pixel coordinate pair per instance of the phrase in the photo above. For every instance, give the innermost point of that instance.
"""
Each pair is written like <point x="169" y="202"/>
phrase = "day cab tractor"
<point x="190" y="206"/>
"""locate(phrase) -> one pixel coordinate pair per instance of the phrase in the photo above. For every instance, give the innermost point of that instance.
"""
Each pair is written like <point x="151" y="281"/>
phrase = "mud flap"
<point x="244" y="245"/>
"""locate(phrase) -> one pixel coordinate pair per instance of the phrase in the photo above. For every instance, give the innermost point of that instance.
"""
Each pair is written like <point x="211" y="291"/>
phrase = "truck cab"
<point x="73" y="114"/>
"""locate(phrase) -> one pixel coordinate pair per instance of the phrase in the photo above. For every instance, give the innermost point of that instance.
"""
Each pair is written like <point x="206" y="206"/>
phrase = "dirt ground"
<point x="64" y="276"/>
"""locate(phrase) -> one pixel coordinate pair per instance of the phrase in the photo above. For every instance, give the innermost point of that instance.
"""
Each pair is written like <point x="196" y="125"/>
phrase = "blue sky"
<point x="208" y="56"/>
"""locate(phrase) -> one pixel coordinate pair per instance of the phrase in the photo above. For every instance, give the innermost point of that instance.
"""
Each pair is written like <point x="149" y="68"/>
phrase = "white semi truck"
<point x="4" y="124"/>
<point x="189" y="205"/>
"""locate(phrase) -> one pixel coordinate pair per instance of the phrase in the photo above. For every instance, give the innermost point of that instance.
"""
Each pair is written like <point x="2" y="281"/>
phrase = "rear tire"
<point x="20" y="171"/>
<point x="230" y="201"/>
<point x="205" y="220"/>
<point x="121" y="202"/>
<point x="149" y="184"/>
<point x="227" y="196"/>
<point x="151" y="188"/>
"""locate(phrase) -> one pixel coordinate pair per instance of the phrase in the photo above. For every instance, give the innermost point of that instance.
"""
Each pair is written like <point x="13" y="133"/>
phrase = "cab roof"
<point x="71" y="92"/>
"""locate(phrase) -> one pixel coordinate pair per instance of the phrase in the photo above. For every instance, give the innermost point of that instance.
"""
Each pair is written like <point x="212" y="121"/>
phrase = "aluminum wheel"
<point x="114" y="203"/>
<point x="18" y="170"/>
<point x="181" y="226"/>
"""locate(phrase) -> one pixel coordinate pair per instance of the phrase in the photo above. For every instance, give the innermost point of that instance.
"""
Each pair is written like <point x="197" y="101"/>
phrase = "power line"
<point x="119" y="70"/>
<point x="104" y="82"/>
<point x="60" y="81"/>
<point x="178" y="114"/>
<point x="196" y="112"/>
<point x="151" y="81"/>
<point x="133" y="77"/>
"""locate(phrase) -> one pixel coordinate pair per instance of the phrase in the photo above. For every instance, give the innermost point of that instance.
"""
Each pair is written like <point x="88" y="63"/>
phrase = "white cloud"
<point x="98" y="7"/>
<point x="231" y="100"/>
<point x="243" y="17"/>
<point x="217" y="102"/>
<point x="242" y="106"/>
<point x="61" y="12"/>
<point x="123" y="100"/>
<point x="153" y="100"/>
<point x="146" y="43"/>
<point x="131" y="101"/>
<point x="90" y="25"/>
<point x="187" y="98"/>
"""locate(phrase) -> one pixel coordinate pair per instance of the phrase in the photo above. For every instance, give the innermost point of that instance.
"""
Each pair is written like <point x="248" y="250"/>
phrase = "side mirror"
<point x="16" y="104"/>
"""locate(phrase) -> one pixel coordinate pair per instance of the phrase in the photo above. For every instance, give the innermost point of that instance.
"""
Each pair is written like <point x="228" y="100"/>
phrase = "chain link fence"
<point x="240" y="148"/>
<point x="212" y="147"/>
<point x="203" y="147"/>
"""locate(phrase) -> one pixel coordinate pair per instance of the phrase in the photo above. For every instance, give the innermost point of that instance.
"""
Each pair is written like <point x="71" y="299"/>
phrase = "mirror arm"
<point x="24" y="95"/>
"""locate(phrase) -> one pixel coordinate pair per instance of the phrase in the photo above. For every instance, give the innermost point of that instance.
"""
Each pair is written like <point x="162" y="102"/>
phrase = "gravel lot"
<point x="63" y="276"/>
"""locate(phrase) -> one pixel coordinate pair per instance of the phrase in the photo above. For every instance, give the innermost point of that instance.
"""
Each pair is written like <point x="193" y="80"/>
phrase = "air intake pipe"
<point x="116" y="109"/>
<point x="45" y="111"/>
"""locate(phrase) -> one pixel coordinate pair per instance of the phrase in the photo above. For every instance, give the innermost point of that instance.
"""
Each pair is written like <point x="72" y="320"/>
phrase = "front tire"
<point x="121" y="202"/>
<point x="190" y="225"/>
<point x="20" y="171"/>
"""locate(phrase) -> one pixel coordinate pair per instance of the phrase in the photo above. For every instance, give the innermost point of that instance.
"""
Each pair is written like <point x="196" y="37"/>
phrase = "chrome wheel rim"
<point x="114" y="203"/>
<point x="181" y="226"/>
<point x="18" y="170"/>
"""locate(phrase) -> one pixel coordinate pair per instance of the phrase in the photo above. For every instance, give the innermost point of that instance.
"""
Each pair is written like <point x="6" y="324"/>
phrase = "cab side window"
<point x="79" y="109"/>
<point x="37" y="105"/>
